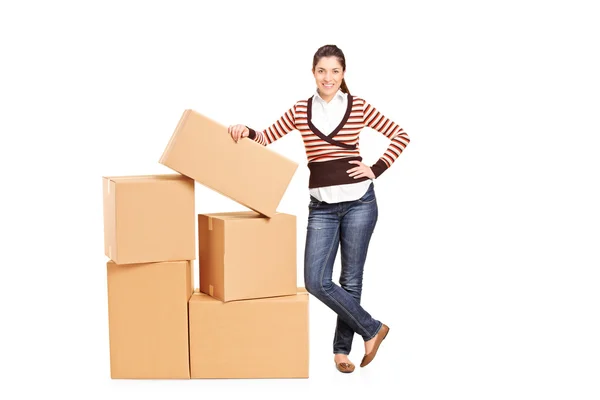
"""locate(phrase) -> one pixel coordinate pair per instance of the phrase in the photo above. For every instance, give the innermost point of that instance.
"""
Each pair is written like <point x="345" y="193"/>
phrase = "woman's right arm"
<point x="279" y="129"/>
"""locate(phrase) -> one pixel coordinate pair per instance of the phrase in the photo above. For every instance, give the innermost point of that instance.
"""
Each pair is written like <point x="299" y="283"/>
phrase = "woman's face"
<point x="328" y="75"/>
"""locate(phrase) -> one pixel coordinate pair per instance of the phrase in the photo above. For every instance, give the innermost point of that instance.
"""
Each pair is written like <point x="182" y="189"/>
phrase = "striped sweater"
<point x="328" y="155"/>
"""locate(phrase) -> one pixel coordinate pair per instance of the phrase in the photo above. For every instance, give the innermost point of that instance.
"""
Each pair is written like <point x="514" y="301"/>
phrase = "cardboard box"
<point x="261" y="338"/>
<point x="148" y="319"/>
<point x="149" y="218"/>
<point x="246" y="172"/>
<point x="244" y="255"/>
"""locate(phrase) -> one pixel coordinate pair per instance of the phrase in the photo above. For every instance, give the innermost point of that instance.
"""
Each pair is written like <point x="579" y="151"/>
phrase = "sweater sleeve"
<point x="399" y="139"/>
<point x="279" y="129"/>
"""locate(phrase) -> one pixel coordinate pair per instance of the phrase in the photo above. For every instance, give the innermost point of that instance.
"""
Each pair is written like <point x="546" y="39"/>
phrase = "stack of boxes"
<point x="149" y="239"/>
<point x="248" y="319"/>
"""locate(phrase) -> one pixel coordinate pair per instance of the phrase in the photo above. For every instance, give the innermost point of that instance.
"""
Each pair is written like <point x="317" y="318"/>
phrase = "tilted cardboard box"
<point x="148" y="319"/>
<point x="260" y="338"/>
<point x="246" y="172"/>
<point x="149" y="218"/>
<point x="244" y="255"/>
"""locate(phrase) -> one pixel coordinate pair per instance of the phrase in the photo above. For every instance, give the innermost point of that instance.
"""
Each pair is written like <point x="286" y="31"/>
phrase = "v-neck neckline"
<point x="340" y="125"/>
<point x="329" y="138"/>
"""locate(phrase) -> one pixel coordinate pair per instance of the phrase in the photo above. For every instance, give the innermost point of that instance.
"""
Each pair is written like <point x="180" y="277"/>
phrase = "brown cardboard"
<point x="260" y="338"/>
<point x="148" y="319"/>
<point x="244" y="255"/>
<point x="246" y="171"/>
<point x="149" y="218"/>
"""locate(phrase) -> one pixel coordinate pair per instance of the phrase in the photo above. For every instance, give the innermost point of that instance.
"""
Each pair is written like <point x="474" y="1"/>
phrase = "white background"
<point x="484" y="262"/>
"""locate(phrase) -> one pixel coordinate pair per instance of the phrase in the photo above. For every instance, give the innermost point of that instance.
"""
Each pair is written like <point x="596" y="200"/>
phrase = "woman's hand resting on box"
<point x="238" y="132"/>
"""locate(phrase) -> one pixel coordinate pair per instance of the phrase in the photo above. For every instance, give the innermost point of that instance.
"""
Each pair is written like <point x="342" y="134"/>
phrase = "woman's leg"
<point x="322" y="242"/>
<point x="356" y="228"/>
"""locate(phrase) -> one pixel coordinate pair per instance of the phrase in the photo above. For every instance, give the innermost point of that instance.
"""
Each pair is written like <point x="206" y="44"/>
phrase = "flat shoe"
<point x="378" y="339"/>
<point x="344" y="367"/>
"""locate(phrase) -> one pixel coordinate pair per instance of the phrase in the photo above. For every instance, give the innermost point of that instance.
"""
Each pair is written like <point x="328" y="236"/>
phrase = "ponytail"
<point x="343" y="87"/>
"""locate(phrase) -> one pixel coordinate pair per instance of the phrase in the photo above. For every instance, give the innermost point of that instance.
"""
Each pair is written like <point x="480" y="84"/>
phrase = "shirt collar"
<point x="339" y="96"/>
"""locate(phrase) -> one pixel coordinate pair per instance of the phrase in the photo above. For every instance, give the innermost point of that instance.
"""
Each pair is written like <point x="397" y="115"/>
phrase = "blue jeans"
<point x="348" y="225"/>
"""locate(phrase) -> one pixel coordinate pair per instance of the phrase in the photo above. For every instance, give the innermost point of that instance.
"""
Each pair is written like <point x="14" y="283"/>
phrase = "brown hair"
<point x="331" y="50"/>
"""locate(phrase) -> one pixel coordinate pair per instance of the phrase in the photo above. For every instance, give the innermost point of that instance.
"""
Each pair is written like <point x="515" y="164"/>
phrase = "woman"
<point x="343" y="207"/>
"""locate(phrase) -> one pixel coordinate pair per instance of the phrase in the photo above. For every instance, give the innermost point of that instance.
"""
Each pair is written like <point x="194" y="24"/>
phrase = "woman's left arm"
<point x="399" y="139"/>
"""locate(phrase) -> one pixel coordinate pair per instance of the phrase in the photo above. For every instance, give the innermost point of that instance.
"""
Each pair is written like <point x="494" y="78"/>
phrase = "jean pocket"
<point x="369" y="196"/>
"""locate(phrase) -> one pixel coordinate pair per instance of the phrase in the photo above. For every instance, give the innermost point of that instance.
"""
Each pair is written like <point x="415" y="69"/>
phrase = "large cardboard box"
<point x="148" y="319"/>
<point x="244" y="255"/>
<point x="246" y="171"/>
<point x="149" y="218"/>
<point x="260" y="338"/>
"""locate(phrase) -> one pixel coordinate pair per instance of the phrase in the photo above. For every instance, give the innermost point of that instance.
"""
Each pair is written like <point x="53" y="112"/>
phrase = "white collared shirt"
<point x="326" y="117"/>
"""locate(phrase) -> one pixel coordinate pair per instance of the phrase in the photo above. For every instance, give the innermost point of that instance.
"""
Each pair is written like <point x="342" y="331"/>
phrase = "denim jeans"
<point x="349" y="226"/>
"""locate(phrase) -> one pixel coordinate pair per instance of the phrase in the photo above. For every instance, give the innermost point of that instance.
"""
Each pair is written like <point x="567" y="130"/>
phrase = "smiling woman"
<point x="343" y="207"/>
<point x="329" y="66"/>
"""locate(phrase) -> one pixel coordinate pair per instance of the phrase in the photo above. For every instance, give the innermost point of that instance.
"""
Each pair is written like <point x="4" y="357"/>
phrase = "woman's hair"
<point x="331" y="50"/>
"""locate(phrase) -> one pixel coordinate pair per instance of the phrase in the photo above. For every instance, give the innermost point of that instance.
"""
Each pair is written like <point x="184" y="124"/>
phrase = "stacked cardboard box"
<point x="149" y="232"/>
<point x="248" y="319"/>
